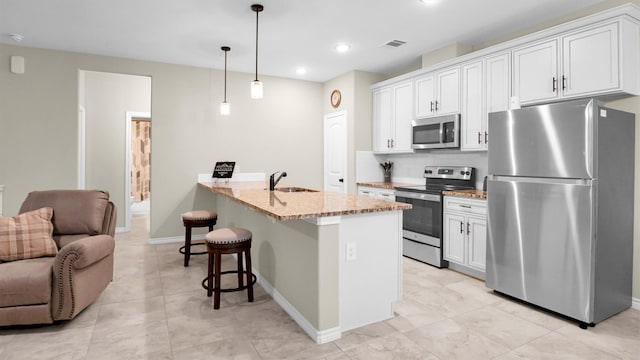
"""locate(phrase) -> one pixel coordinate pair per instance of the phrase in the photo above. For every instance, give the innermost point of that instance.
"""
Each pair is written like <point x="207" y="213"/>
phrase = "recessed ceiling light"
<point x="301" y="70"/>
<point x="430" y="2"/>
<point x="343" y="48"/>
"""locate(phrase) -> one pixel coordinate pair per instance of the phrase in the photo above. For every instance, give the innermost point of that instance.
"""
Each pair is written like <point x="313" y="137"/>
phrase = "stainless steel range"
<point x="422" y="224"/>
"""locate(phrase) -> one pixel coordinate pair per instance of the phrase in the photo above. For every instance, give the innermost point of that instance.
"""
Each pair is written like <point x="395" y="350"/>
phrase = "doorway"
<point x="335" y="152"/>
<point x="109" y="103"/>
<point x="139" y="165"/>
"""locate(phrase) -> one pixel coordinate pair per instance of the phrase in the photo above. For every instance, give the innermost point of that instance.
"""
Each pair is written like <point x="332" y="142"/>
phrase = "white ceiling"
<point x="292" y="32"/>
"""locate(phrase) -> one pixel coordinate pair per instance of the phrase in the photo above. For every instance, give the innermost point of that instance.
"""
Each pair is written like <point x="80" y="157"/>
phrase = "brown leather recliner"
<point x="46" y="289"/>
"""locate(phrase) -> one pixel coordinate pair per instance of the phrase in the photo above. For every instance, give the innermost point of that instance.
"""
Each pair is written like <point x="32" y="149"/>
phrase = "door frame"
<point x="129" y="117"/>
<point x="343" y="115"/>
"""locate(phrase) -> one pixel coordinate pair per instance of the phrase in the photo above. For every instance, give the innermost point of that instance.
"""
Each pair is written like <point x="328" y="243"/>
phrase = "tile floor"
<point x="156" y="309"/>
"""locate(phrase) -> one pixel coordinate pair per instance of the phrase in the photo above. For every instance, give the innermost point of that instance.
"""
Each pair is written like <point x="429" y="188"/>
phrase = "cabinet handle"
<point x="436" y="105"/>
<point x="468" y="229"/>
<point x="432" y="106"/>
<point x="564" y="83"/>
<point x="388" y="143"/>
<point x="486" y="137"/>
<point x="465" y="206"/>
<point x="554" y="83"/>
<point x="461" y="228"/>
<point x="392" y="143"/>
<point x="479" y="134"/>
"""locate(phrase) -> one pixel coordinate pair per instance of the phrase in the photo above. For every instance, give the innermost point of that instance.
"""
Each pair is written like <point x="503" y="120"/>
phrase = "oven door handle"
<point x="418" y="196"/>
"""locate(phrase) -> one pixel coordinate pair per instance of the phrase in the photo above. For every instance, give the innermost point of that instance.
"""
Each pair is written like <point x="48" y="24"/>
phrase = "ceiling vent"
<point x="395" y="43"/>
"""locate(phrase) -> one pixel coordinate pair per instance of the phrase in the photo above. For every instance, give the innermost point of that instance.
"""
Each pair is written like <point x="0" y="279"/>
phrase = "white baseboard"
<point x="174" y="239"/>
<point x="635" y="303"/>
<point x="320" y="337"/>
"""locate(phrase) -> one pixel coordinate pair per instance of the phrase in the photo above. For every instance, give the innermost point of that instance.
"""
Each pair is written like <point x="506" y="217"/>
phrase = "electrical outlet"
<point x="351" y="251"/>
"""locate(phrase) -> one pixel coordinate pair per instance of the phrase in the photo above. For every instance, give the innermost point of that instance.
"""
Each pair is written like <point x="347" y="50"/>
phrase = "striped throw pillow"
<point x="27" y="235"/>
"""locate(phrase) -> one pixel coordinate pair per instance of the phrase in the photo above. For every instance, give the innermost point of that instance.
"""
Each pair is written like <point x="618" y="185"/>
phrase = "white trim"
<point x="174" y="239"/>
<point x="320" y="337"/>
<point x="82" y="146"/>
<point x="635" y="303"/>
<point x="129" y="116"/>
<point x="325" y="220"/>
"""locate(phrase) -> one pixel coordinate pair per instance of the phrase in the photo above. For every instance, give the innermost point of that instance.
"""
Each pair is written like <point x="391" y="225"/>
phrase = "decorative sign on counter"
<point x="223" y="169"/>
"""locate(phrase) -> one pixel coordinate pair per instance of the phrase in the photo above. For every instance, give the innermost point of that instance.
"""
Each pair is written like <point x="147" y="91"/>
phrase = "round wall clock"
<point x="336" y="97"/>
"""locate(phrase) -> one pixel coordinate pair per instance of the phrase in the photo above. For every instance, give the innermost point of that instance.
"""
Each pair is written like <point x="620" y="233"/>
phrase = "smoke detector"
<point x="16" y="37"/>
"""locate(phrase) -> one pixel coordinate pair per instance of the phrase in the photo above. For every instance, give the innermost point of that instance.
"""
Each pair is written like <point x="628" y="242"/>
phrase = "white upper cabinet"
<point x="535" y="72"/>
<point x="498" y="82"/>
<point x="473" y="128"/>
<point x="591" y="61"/>
<point x="392" y="115"/>
<point x="438" y="93"/>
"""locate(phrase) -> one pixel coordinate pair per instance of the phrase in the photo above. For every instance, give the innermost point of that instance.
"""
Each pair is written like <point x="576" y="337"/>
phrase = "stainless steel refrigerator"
<point x="560" y="208"/>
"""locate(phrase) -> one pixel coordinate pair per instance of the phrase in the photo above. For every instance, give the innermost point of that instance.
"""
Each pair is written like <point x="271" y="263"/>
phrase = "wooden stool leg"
<point x="210" y="276"/>
<point x="247" y="255"/>
<point x="240" y="270"/>
<point x="187" y="245"/>
<point x="216" y="296"/>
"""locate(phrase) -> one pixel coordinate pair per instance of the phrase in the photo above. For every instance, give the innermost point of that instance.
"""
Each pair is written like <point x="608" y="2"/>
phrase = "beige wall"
<point x="107" y="97"/>
<point x="357" y="102"/>
<point x="38" y="113"/>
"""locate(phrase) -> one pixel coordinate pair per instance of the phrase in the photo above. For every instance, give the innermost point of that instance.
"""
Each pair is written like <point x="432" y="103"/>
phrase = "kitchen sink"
<point x="291" y="189"/>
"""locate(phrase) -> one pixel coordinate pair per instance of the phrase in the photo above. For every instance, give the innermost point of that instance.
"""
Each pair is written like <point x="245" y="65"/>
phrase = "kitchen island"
<point x="332" y="261"/>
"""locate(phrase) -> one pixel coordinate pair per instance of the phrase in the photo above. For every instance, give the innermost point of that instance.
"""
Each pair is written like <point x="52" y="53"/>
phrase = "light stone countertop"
<point x="476" y="194"/>
<point x="299" y="205"/>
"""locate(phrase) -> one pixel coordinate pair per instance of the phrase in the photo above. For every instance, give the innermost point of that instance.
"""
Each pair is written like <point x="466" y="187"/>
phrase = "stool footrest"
<point x="181" y="250"/>
<point x="253" y="281"/>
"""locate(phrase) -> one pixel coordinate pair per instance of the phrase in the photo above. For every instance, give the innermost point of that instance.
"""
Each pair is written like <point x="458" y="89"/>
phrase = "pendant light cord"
<point x="225" y="75"/>
<point x="257" y="12"/>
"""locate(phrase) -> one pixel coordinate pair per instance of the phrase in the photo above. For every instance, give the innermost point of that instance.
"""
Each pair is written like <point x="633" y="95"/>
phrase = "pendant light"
<point x="256" y="85"/>
<point x="225" y="107"/>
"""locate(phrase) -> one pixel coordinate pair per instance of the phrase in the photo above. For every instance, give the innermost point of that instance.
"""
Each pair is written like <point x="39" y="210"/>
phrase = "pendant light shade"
<point x="256" y="85"/>
<point x="225" y="107"/>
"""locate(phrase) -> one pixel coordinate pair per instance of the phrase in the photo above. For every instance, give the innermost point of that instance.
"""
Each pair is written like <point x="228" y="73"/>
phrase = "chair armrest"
<point x="84" y="252"/>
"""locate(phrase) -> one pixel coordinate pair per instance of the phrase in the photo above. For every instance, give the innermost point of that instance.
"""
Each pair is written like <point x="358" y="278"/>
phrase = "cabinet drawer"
<point x="464" y="205"/>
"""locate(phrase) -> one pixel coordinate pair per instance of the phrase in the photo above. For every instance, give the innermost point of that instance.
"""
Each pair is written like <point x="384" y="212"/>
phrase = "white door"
<point x="335" y="152"/>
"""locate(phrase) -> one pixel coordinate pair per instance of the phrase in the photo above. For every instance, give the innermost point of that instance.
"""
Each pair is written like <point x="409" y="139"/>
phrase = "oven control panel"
<point x="449" y="172"/>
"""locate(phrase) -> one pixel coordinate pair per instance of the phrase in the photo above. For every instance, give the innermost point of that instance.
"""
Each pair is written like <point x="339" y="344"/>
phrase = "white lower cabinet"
<point x="377" y="193"/>
<point x="465" y="234"/>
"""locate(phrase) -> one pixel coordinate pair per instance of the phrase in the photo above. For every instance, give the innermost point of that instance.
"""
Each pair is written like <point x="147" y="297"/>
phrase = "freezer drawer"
<point x="540" y="242"/>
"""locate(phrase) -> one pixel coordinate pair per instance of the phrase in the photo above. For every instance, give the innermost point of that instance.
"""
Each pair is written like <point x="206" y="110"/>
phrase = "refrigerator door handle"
<point x="586" y="182"/>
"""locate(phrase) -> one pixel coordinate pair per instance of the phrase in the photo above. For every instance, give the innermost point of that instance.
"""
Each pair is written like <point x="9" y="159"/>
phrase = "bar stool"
<point x="191" y="219"/>
<point x="231" y="240"/>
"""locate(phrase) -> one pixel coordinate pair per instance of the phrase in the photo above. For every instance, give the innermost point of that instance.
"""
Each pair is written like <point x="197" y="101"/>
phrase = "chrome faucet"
<point x="272" y="182"/>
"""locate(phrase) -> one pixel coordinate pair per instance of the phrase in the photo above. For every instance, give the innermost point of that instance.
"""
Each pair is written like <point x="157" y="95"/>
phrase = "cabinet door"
<point x="448" y="92"/>
<point x="477" y="249"/>
<point x="498" y="79"/>
<point x="402" y="114"/>
<point x="535" y="72"/>
<point x="454" y="237"/>
<point x="425" y="96"/>
<point x="473" y="121"/>
<point x="382" y="119"/>
<point x="590" y="61"/>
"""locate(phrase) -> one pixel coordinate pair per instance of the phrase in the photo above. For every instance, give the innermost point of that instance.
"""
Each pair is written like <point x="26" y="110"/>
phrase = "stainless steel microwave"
<point x="439" y="132"/>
